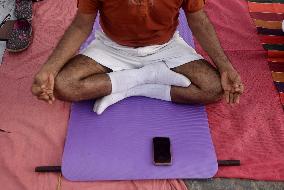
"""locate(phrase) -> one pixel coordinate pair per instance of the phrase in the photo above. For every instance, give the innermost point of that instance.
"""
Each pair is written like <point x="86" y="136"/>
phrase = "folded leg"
<point x="205" y="85"/>
<point x="82" y="78"/>
<point x="205" y="88"/>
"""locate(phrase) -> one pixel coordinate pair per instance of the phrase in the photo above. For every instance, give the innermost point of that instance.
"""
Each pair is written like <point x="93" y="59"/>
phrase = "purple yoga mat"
<point x="117" y="145"/>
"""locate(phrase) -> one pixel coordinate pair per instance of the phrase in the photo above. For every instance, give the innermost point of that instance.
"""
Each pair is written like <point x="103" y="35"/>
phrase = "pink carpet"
<point x="253" y="131"/>
<point x="37" y="129"/>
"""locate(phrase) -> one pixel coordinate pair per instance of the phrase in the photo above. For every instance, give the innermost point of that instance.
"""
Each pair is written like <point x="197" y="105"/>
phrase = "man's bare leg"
<point x="81" y="79"/>
<point x="205" y="85"/>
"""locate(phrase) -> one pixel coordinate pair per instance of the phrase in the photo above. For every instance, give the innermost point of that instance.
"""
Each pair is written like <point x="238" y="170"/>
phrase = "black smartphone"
<point x="162" y="151"/>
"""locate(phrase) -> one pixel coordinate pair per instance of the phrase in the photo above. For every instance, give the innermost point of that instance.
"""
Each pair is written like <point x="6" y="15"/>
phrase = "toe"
<point x="96" y="105"/>
<point x="101" y="108"/>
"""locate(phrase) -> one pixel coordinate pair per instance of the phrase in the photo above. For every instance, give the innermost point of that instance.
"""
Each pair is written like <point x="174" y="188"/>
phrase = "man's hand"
<point x="232" y="85"/>
<point x="204" y="32"/>
<point x="43" y="86"/>
<point x="74" y="36"/>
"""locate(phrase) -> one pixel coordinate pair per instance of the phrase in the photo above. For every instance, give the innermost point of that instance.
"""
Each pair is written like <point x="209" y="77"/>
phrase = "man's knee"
<point x="213" y="87"/>
<point x="66" y="89"/>
<point x="216" y="95"/>
<point x="214" y="92"/>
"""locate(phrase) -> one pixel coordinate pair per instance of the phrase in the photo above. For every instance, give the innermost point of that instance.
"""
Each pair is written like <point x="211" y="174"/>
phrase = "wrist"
<point x="224" y="65"/>
<point x="50" y="68"/>
<point x="224" y="68"/>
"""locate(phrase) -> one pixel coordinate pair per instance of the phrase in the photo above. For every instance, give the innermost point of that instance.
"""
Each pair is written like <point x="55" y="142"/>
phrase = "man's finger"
<point x="231" y="98"/>
<point x="48" y="91"/>
<point x="238" y="99"/>
<point x="48" y="88"/>
<point x="43" y="86"/>
<point x="242" y="88"/>
<point x="44" y="96"/>
<point x="239" y="89"/>
<point x="237" y="82"/>
<point x="51" y="82"/>
<point x="236" y="85"/>
<point x="236" y="96"/>
<point x="50" y="94"/>
<point x="44" y="90"/>
<point x="51" y="97"/>
<point x="227" y="96"/>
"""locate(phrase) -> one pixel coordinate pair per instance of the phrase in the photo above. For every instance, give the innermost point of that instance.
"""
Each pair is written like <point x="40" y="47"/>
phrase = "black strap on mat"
<point x="44" y="169"/>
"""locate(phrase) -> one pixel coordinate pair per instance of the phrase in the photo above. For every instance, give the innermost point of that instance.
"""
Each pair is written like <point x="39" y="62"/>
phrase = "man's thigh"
<point x="201" y="73"/>
<point x="80" y="67"/>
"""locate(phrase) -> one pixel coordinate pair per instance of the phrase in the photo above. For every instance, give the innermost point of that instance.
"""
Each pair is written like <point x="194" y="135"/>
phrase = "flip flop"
<point x="20" y="36"/>
<point x="23" y="9"/>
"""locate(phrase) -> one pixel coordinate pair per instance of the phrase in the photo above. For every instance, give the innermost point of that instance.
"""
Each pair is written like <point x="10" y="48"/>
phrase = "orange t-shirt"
<point x="138" y="23"/>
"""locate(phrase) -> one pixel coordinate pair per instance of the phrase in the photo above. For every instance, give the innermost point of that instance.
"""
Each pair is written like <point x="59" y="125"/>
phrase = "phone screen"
<point x="162" y="151"/>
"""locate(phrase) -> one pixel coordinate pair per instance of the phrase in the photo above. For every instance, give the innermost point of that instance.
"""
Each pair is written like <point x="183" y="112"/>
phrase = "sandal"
<point x="18" y="33"/>
<point x="23" y="9"/>
<point x="20" y="36"/>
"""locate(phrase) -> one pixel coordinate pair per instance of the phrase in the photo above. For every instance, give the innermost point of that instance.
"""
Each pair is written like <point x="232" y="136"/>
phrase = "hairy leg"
<point x="205" y="85"/>
<point x="82" y="78"/>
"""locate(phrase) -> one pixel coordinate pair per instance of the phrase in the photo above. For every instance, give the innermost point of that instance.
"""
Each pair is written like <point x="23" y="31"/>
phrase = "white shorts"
<point x="108" y="53"/>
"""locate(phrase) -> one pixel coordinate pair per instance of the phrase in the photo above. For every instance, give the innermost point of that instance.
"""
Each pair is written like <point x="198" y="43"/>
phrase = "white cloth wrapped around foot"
<point x="156" y="73"/>
<point x="157" y="91"/>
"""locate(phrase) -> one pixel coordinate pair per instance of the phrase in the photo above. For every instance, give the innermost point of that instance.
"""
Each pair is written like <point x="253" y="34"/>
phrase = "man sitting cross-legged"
<point x="139" y="53"/>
